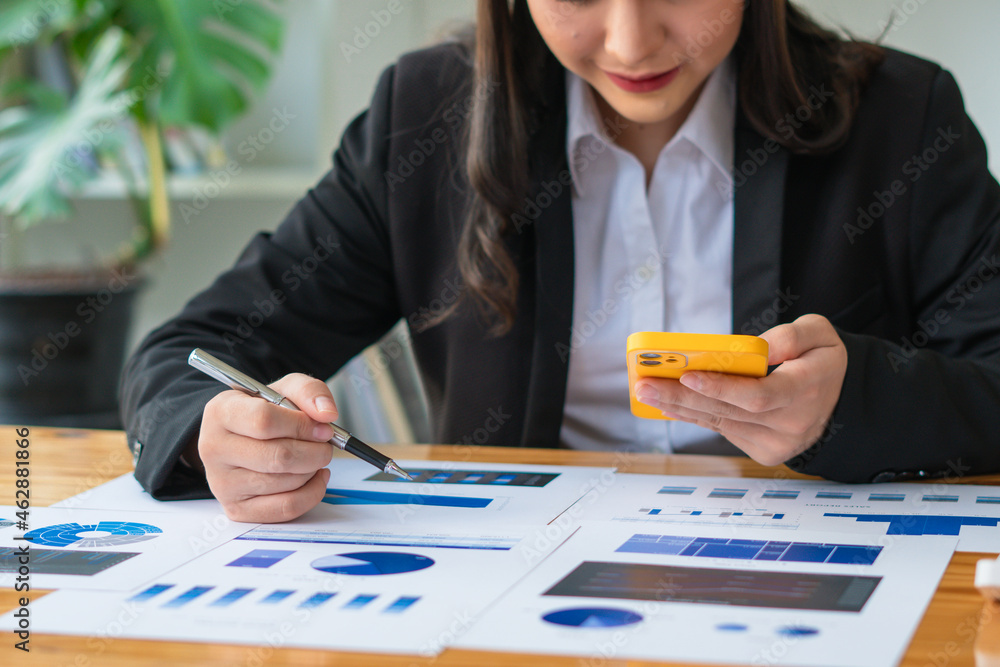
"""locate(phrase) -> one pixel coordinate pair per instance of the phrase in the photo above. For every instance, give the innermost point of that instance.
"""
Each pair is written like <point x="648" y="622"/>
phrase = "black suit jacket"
<point x="894" y="237"/>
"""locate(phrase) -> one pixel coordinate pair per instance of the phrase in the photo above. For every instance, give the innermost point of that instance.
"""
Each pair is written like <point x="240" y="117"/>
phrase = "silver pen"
<point x="342" y="439"/>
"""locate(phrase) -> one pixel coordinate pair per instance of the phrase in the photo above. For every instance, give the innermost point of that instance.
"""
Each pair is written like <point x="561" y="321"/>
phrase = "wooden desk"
<point x="957" y="627"/>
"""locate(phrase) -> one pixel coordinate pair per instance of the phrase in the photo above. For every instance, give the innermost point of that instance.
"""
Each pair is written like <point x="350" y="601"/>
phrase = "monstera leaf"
<point x="155" y="62"/>
<point x="48" y="145"/>
<point x="209" y="57"/>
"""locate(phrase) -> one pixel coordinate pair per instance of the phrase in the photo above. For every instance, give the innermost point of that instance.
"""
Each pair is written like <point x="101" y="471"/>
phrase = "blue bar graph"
<point x="359" y="601"/>
<point x="276" y="596"/>
<point x="188" y="595"/>
<point x="988" y="500"/>
<point x="150" y="592"/>
<point x="316" y="600"/>
<point x="775" y="550"/>
<point x="401" y="605"/>
<point x="231" y="597"/>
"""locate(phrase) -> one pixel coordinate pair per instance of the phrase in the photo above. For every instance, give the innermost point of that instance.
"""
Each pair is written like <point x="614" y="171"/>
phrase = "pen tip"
<point x="391" y="467"/>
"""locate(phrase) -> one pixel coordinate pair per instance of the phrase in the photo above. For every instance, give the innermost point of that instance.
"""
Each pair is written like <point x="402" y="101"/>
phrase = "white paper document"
<point x="354" y="597"/>
<point x="105" y="549"/>
<point x="712" y="594"/>
<point x="971" y="513"/>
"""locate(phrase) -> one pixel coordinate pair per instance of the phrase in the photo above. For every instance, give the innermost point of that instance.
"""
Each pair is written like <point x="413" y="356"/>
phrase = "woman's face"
<point x="647" y="59"/>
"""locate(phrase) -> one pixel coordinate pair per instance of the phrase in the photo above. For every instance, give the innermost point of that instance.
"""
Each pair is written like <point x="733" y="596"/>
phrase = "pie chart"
<point x="372" y="563"/>
<point x="592" y="617"/>
<point x="101" y="534"/>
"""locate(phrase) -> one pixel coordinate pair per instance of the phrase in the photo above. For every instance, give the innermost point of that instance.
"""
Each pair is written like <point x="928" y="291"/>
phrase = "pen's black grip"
<point x="366" y="453"/>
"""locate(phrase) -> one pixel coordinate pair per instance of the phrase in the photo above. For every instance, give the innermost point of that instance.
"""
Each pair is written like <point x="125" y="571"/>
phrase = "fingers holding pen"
<point x="245" y="432"/>
<point x="263" y="462"/>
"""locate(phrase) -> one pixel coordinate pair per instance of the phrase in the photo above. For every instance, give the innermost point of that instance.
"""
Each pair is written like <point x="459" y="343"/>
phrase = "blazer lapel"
<point x="554" y="282"/>
<point x="759" y="211"/>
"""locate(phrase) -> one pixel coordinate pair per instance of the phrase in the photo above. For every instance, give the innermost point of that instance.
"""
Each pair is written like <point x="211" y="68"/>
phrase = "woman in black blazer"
<point x="864" y="249"/>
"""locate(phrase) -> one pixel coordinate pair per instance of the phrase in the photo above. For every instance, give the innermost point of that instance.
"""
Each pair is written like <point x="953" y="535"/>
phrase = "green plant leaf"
<point x="24" y="21"/>
<point x="213" y="55"/>
<point x="42" y="148"/>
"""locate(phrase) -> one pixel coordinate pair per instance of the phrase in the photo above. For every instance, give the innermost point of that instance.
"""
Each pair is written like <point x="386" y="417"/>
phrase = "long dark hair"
<point x="780" y="50"/>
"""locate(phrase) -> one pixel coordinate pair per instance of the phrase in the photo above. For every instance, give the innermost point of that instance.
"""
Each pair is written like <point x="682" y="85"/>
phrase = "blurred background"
<point x="321" y="76"/>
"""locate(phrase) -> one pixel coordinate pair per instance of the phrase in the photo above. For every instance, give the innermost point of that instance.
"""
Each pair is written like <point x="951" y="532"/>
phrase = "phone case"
<point x="670" y="355"/>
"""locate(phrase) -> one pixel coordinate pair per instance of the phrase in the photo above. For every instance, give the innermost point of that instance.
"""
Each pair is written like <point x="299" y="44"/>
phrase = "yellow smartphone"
<point x="660" y="354"/>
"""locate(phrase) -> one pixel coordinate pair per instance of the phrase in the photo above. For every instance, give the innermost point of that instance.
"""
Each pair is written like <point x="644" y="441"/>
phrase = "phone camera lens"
<point x="649" y="355"/>
<point x="645" y="362"/>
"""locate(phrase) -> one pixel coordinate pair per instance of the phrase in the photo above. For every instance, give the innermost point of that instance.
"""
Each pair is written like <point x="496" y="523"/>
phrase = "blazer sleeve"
<point x="928" y="404"/>
<point x="306" y="298"/>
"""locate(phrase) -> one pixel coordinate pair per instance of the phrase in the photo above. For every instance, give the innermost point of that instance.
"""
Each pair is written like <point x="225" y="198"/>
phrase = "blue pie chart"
<point x="592" y="617"/>
<point x="101" y="534"/>
<point x="372" y="563"/>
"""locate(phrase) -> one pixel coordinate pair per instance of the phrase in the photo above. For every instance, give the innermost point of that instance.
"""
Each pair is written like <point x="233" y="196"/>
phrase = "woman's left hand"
<point x="772" y="418"/>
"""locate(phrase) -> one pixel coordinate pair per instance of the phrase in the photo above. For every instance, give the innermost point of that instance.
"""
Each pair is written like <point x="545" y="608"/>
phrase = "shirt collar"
<point x="709" y="126"/>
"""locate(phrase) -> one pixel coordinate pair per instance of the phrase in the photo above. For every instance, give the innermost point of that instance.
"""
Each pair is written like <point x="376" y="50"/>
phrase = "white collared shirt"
<point x="646" y="260"/>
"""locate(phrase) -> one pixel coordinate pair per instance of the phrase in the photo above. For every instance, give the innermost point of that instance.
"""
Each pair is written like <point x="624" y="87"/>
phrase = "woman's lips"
<point x="644" y="84"/>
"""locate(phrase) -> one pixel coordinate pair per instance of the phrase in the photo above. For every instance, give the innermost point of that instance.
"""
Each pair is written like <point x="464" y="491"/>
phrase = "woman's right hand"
<point x="266" y="463"/>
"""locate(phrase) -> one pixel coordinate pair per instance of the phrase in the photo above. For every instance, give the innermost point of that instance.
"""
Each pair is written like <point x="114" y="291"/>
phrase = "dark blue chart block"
<point x="850" y="555"/>
<point x="800" y="552"/>
<point x="478" y="477"/>
<point x="57" y="561"/>
<point x="736" y="551"/>
<point x="932" y="498"/>
<point x="912" y="524"/>
<point x="988" y="500"/>
<point x="740" y="549"/>
<point x="834" y="495"/>
<point x="772" y="551"/>
<point x="260" y="558"/>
